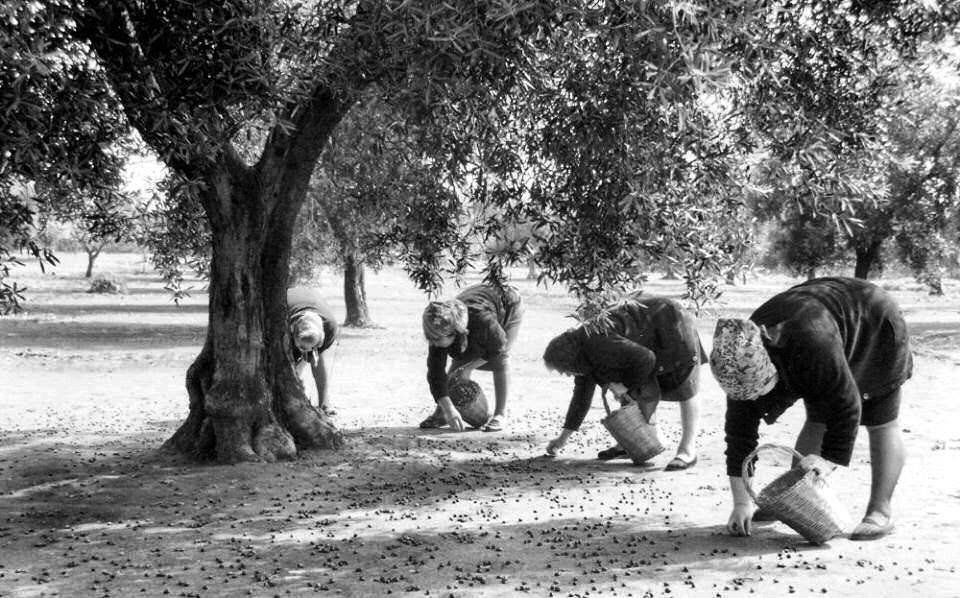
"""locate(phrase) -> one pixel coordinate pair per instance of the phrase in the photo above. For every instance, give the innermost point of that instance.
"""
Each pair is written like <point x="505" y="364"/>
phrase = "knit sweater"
<point x="646" y="338"/>
<point x="835" y="343"/>
<point x="304" y="298"/>
<point x="489" y="311"/>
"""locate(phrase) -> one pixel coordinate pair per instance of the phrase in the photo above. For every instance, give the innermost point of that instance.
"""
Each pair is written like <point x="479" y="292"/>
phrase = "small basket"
<point x="470" y="401"/>
<point x="632" y="431"/>
<point x="801" y="499"/>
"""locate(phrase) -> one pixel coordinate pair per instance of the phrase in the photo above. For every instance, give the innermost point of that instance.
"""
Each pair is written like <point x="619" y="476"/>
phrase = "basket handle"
<point x="744" y="468"/>
<point x="603" y="395"/>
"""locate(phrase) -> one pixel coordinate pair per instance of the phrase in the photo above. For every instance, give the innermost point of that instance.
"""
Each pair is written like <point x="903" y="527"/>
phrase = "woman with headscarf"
<point x="313" y="330"/>
<point x="841" y="345"/>
<point x="476" y="331"/>
<point x="648" y="350"/>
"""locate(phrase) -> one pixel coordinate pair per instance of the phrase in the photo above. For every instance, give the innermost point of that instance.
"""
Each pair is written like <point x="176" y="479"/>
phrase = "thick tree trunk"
<point x="246" y="402"/>
<point x="355" y="292"/>
<point x="866" y="260"/>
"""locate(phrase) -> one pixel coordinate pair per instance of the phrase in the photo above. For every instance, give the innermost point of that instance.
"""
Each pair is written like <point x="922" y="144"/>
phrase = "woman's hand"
<point x="818" y="464"/>
<point x="742" y="515"/>
<point x="740" y="519"/>
<point x="555" y="445"/>
<point x="451" y="414"/>
<point x="618" y="389"/>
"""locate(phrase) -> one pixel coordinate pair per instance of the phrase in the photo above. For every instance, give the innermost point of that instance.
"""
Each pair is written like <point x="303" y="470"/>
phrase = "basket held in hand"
<point x="470" y="401"/>
<point x="801" y="499"/>
<point x="632" y="431"/>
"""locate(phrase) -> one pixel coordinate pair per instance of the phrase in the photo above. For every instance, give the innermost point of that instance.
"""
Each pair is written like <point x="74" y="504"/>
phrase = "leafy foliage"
<point x="59" y="130"/>
<point x="376" y="195"/>
<point x="818" y="115"/>
<point x="173" y="228"/>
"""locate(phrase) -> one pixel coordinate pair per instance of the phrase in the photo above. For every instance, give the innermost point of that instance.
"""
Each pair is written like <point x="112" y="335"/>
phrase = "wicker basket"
<point x="632" y="431"/>
<point x="470" y="401"/>
<point x="801" y="499"/>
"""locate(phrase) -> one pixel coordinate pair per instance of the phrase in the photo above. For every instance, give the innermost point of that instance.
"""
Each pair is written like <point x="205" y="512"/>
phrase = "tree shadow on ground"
<point x="94" y="336"/>
<point x="111" y="309"/>
<point x="397" y="510"/>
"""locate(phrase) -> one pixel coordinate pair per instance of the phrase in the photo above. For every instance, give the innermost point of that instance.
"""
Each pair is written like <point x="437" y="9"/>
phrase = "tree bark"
<point x="355" y="292"/>
<point x="246" y="401"/>
<point x="867" y="257"/>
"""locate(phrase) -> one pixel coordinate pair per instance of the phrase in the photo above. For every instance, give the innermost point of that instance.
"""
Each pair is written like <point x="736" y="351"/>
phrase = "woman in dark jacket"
<point x="313" y="330"/>
<point x="840" y="344"/>
<point x="476" y="331"/>
<point x="648" y="351"/>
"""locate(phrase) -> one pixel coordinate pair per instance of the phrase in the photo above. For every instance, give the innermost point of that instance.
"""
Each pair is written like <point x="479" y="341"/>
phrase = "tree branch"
<point x="106" y="26"/>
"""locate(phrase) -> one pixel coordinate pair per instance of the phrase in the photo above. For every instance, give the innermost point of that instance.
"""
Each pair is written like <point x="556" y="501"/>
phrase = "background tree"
<point x="59" y="133"/>
<point x="172" y="227"/>
<point x="924" y="189"/>
<point x="375" y="197"/>
<point x="819" y="113"/>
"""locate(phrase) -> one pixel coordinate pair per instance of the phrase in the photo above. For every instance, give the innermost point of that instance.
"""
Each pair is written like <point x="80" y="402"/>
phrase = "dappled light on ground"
<point x="88" y="507"/>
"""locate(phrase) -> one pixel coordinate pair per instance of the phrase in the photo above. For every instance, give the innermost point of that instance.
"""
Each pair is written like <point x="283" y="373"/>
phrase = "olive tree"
<point x="238" y="99"/>
<point x="585" y="118"/>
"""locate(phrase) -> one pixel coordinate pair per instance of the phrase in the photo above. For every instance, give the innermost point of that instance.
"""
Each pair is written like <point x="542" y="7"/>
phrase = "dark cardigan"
<point x="489" y="311"/>
<point x="646" y="338"/>
<point x="835" y="342"/>
<point x="305" y="298"/>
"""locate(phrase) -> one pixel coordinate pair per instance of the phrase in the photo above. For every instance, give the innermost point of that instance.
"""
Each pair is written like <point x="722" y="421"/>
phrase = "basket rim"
<point x="744" y="467"/>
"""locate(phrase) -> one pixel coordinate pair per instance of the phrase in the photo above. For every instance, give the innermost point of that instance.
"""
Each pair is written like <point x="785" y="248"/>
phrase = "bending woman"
<point x="840" y="344"/>
<point x="313" y="330"/>
<point x="476" y="331"/>
<point x="649" y="352"/>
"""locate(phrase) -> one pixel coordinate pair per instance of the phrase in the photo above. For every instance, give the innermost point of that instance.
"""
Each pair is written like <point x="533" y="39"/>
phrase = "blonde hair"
<point x="442" y="319"/>
<point x="306" y="328"/>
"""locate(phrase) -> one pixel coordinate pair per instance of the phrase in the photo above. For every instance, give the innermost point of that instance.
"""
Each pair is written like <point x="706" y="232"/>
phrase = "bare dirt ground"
<point x="90" y="386"/>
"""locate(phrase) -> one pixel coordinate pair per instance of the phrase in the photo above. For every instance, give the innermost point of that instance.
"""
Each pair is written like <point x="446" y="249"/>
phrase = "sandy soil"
<point x="90" y="385"/>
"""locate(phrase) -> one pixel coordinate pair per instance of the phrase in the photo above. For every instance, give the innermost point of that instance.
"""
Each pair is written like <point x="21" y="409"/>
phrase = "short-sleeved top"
<point x="647" y="337"/>
<point x="839" y="342"/>
<point x="489" y="311"/>
<point x="308" y="298"/>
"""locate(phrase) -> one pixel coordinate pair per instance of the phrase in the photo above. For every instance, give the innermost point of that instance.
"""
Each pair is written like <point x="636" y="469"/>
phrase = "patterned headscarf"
<point x="306" y="329"/>
<point x="739" y="360"/>
<point x="442" y="319"/>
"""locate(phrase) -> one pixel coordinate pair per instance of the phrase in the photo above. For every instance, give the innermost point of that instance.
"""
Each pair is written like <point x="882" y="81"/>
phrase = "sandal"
<point x="493" y="425"/>
<point x="871" y="528"/>
<point x="678" y="464"/>
<point x="614" y="452"/>
<point x="436" y="420"/>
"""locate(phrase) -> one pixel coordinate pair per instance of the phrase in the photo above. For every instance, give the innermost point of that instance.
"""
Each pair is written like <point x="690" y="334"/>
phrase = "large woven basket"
<point x="632" y="431"/>
<point x="470" y="401"/>
<point x="801" y="499"/>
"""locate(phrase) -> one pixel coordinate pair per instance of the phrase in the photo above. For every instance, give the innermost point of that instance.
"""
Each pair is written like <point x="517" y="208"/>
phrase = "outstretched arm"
<point x="583" y="390"/>
<point x="320" y="379"/>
